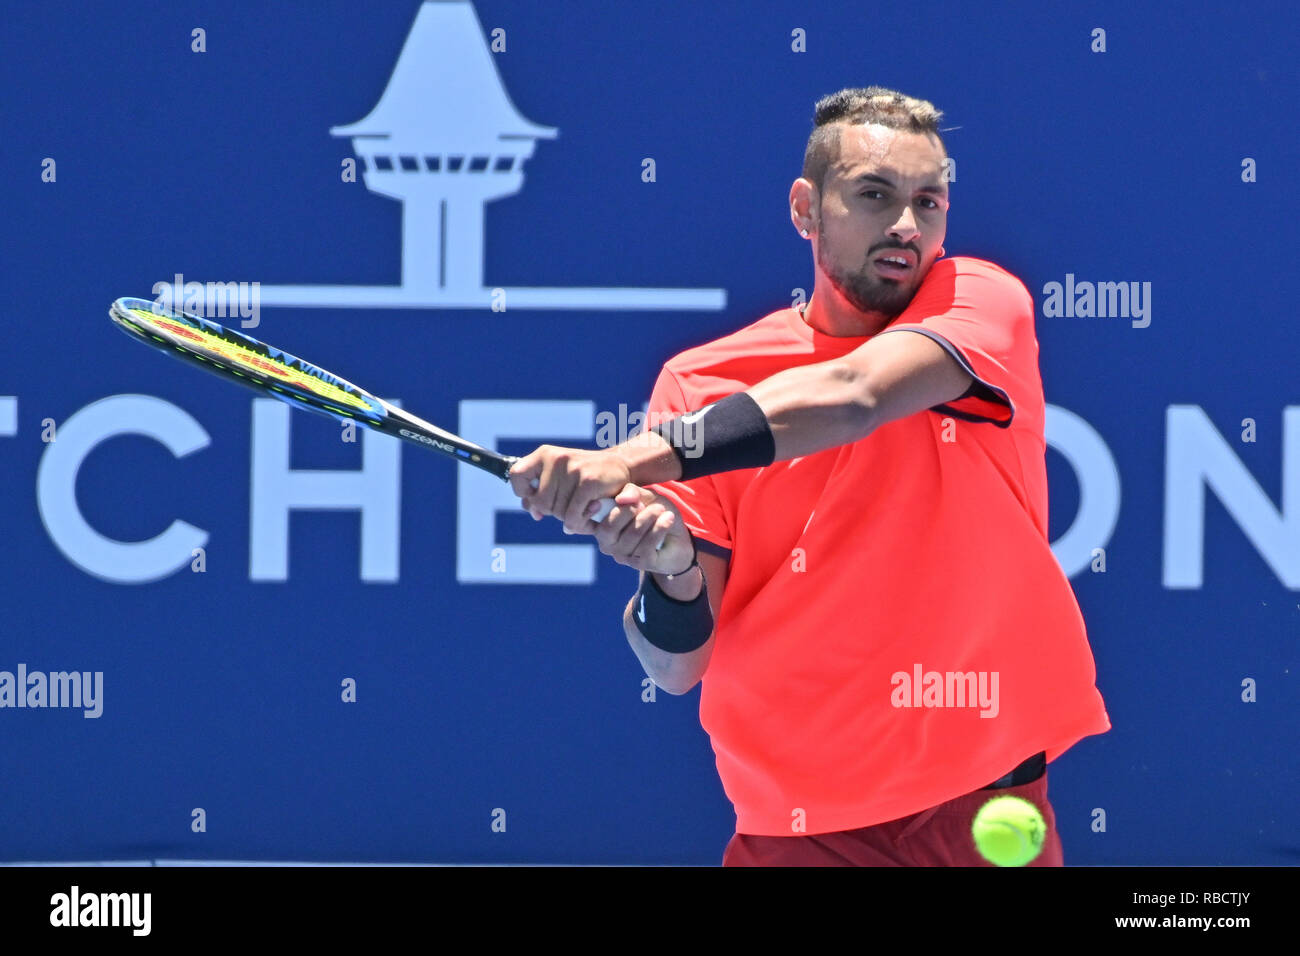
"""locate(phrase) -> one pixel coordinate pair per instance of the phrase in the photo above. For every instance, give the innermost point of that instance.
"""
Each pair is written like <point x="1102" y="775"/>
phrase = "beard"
<point x="867" y="292"/>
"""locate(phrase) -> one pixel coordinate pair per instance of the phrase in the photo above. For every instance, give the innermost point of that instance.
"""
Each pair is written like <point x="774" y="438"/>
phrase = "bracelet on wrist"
<point x="695" y="560"/>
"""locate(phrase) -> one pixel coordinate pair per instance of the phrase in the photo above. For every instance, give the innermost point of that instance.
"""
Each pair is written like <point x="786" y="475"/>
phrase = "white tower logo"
<point x="444" y="140"/>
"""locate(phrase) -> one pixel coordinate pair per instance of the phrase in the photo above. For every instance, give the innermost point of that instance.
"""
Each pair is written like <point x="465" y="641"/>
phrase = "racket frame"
<point x="377" y="414"/>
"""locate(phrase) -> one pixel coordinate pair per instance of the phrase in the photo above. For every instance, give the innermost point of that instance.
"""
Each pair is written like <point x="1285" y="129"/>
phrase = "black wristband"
<point x="729" y="435"/>
<point x="677" y="627"/>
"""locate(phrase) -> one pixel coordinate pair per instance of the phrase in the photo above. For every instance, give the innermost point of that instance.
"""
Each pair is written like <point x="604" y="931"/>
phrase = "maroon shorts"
<point x="940" y="836"/>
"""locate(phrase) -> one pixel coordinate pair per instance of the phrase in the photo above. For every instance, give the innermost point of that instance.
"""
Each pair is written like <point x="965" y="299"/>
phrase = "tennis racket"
<point x="246" y="361"/>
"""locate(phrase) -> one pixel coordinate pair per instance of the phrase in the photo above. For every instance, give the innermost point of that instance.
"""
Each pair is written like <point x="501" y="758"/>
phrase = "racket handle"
<point x="606" y="506"/>
<point x="601" y="513"/>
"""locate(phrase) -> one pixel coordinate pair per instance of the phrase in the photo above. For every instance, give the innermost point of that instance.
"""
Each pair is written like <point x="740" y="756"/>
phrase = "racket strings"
<point x="258" y="364"/>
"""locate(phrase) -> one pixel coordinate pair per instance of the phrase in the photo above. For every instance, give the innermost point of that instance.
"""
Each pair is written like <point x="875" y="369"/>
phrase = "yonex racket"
<point x="246" y="361"/>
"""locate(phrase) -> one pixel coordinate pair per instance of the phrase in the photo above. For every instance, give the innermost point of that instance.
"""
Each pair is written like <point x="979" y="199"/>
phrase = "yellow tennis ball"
<point x="1009" y="831"/>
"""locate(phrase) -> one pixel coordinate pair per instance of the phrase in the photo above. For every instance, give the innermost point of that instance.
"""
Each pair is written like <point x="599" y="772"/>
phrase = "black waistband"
<point x="1031" y="769"/>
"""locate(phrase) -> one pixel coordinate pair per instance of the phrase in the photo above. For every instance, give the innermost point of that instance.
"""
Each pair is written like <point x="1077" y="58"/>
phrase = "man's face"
<point x="885" y="196"/>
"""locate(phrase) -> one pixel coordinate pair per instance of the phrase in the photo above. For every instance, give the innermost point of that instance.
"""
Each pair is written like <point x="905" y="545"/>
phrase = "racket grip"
<point x="606" y="506"/>
<point x="602" y="512"/>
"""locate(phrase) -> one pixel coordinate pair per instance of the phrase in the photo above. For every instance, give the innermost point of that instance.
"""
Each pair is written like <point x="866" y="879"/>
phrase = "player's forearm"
<point x="808" y="409"/>
<point x="815" y="407"/>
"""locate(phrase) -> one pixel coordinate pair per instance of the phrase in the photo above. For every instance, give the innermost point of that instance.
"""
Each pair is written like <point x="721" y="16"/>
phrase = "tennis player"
<point x="851" y="499"/>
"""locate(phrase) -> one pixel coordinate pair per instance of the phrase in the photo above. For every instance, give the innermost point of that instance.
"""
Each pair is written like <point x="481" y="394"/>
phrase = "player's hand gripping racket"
<point x="265" y="368"/>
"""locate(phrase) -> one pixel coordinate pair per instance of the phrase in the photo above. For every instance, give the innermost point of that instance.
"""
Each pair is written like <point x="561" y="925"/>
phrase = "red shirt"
<point x="895" y="631"/>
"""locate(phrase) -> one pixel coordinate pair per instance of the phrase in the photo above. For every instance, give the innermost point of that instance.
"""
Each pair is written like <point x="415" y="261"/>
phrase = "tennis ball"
<point x="1009" y="831"/>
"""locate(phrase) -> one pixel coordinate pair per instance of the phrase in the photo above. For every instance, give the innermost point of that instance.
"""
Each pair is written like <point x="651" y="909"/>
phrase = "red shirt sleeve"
<point x="984" y="317"/>
<point x="697" y="500"/>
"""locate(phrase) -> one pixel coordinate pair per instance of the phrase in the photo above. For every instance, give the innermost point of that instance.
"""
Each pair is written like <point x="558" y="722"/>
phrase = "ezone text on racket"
<point x="450" y="449"/>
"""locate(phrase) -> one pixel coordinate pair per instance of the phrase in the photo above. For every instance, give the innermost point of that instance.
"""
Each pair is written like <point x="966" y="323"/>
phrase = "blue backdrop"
<point x="499" y="714"/>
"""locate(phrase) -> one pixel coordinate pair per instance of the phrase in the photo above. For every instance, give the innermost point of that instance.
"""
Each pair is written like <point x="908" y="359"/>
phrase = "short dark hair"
<point x="861" y="105"/>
